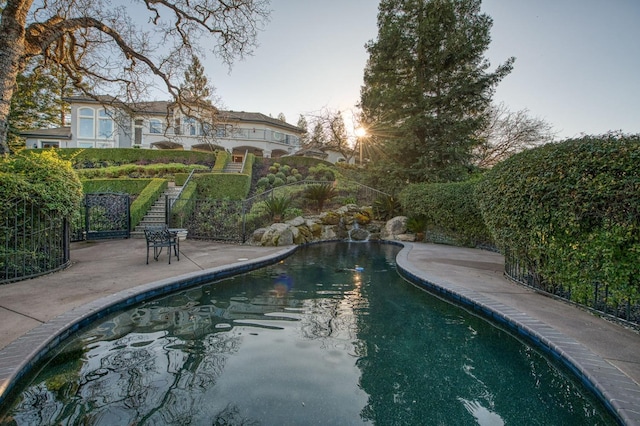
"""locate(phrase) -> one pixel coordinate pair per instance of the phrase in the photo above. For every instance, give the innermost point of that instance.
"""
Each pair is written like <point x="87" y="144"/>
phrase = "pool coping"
<point x="618" y="392"/>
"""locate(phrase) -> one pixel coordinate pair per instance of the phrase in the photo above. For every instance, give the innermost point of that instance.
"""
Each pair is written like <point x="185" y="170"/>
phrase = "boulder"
<point x="278" y="234"/>
<point x="359" y="234"/>
<point x="394" y="227"/>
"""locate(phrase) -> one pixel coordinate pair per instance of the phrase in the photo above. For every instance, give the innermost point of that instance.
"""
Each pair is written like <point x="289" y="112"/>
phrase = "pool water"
<point x="331" y="335"/>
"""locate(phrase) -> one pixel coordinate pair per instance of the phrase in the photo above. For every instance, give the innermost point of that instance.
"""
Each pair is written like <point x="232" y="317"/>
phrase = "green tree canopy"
<point x="38" y="101"/>
<point x="426" y="87"/>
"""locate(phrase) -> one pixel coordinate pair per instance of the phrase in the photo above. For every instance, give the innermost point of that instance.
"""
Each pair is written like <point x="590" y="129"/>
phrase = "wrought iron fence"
<point x="523" y="273"/>
<point x="32" y="243"/>
<point x="236" y="220"/>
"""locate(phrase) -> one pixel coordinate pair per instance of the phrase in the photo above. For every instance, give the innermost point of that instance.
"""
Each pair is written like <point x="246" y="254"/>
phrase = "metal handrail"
<point x="184" y="185"/>
<point x="244" y="159"/>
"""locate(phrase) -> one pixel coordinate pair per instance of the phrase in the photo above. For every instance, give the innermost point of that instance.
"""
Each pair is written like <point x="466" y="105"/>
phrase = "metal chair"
<point x="159" y="237"/>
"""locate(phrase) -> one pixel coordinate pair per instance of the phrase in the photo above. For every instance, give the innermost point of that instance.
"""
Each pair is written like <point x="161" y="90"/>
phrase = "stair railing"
<point x="170" y="201"/>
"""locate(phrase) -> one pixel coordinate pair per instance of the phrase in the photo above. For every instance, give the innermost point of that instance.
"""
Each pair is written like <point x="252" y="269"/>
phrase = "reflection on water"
<point x="331" y="335"/>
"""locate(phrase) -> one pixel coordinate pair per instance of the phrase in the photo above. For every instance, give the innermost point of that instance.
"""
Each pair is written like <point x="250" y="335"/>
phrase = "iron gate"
<point x="107" y="215"/>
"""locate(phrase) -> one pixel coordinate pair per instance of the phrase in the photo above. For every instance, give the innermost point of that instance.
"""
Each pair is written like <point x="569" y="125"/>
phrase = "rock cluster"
<point x="349" y="222"/>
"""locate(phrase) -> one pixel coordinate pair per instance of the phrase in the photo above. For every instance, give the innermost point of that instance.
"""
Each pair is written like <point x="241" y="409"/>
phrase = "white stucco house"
<point x="162" y="125"/>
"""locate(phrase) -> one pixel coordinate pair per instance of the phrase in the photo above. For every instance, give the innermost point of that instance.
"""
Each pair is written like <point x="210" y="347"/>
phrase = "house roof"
<point x="55" y="133"/>
<point x="163" y="107"/>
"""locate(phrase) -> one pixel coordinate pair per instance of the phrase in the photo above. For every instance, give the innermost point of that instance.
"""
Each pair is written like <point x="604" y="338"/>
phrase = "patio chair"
<point x="159" y="237"/>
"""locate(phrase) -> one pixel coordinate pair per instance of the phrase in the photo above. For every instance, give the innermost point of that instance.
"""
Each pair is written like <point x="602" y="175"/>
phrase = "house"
<point x="164" y="125"/>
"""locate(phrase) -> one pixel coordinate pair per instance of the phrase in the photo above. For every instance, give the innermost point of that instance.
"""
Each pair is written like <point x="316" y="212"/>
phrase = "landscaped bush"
<point x="140" y="171"/>
<point x="145" y="200"/>
<point x="96" y="157"/>
<point x="223" y="185"/>
<point x="571" y="212"/>
<point x="297" y="161"/>
<point x="450" y="211"/>
<point x="127" y="186"/>
<point x="39" y="191"/>
<point x="222" y="159"/>
<point x="46" y="180"/>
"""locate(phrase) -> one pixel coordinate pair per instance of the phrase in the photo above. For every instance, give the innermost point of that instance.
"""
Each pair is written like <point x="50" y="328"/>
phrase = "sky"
<point x="577" y="62"/>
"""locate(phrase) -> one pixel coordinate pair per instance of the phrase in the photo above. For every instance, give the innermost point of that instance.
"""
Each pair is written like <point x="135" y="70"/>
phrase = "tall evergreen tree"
<point x="426" y="87"/>
<point x="196" y="85"/>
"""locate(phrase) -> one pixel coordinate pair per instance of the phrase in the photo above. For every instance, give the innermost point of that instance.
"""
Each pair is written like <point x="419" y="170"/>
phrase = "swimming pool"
<point x="331" y="335"/>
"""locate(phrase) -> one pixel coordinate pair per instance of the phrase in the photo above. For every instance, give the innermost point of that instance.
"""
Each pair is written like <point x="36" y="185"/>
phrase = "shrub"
<point x="278" y="181"/>
<point x="49" y="182"/>
<point x="571" y="212"/>
<point x="223" y="185"/>
<point x="386" y="206"/>
<point x="281" y="176"/>
<point x="128" y="186"/>
<point x="291" y="179"/>
<point x="271" y="177"/>
<point x="449" y="209"/>
<point x="264" y="182"/>
<point x="277" y="207"/>
<point x="320" y="194"/>
<point x="97" y="157"/>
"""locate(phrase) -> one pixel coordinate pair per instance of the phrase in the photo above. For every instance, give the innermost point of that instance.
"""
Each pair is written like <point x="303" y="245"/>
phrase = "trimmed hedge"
<point x="145" y="200"/>
<point x="127" y="186"/>
<point x="222" y="159"/>
<point x="295" y="161"/>
<point x="450" y="211"/>
<point x="248" y="165"/>
<point x="571" y="212"/>
<point x="97" y="157"/>
<point x="135" y="171"/>
<point x="223" y="185"/>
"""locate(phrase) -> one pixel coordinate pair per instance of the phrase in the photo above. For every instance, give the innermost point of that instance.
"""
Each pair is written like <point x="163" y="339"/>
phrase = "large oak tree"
<point x="121" y="48"/>
<point x="426" y="88"/>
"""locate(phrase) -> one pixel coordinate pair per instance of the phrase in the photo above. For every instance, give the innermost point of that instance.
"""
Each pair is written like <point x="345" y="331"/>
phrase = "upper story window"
<point x="89" y="128"/>
<point x="86" y="123"/>
<point x="190" y="126"/>
<point x="155" y="126"/>
<point x="105" y="125"/>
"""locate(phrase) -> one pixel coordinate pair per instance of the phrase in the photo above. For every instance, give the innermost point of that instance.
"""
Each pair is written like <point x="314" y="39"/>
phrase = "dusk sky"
<point x="577" y="62"/>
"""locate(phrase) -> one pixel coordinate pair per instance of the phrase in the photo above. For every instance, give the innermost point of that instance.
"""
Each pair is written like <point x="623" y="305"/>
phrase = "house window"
<point x="190" y="126"/>
<point x="50" y="144"/>
<point x="155" y="126"/>
<point x="137" y="131"/>
<point x="176" y="127"/>
<point x="221" y="131"/>
<point x="85" y="123"/>
<point x="105" y="125"/>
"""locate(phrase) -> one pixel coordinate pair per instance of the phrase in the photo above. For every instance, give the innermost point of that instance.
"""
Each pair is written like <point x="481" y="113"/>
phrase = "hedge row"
<point x="127" y="186"/>
<point x="449" y="211"/>
<point x="139" y="171"/>
<point x="571" y="213"/>
<point x="145" y="200"/>
<point x="97" y="157"/>
<point x="223" y="185"/>
<point x="222" y="159"/>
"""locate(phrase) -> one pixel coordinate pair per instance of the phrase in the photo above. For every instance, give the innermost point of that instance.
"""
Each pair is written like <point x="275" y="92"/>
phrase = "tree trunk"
<point x="12" y="59"/>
